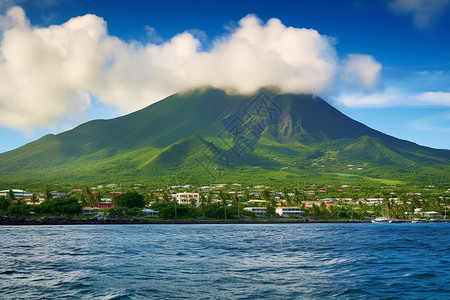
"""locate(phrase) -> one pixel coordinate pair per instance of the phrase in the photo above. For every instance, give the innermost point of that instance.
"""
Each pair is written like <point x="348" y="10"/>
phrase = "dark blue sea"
<point x="313" y="261"/>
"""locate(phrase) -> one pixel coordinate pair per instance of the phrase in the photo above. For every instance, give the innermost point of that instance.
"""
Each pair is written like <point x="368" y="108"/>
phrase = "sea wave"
<point x="238" y="261"/>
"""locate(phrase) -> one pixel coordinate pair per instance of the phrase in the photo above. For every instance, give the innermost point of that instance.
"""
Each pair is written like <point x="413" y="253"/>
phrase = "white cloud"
<point x="152" y="34"/>
<point x="425" y="12"/>
<point x="393" y="97"/>
<point x="437" y="98"/>
<point x="15" y="17"/>
<point x="362" y="69"/>
<point x="51" y="73"/>
<point x="386" y="98"/>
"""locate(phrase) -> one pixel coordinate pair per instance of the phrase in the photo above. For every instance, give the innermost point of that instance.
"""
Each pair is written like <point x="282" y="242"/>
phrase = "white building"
<point x="431" y="214"/>
<point x="371" y="201"/>
<point x="259" y="211"/>
<point x="185" y="198"/>
<point x="150" y="212"/>
<point x="257" y="201"/>
<point x="288" y="211"/>
<point x="17" y="193"/>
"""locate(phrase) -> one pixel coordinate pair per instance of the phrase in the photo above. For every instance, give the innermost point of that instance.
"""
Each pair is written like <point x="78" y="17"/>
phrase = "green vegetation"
<point x="130" y="200"/>
<point x="207" y="136"/>
<point x="67" y="206"/>
<point x="318" y="202"/>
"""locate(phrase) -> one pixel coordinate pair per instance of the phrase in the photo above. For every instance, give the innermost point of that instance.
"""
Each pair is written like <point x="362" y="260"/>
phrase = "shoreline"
<point x="26" y="220"/>
<point x="69" y="221"/>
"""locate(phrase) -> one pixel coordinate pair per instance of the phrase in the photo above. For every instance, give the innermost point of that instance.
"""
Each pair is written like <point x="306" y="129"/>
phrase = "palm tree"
<point x="33" y="199"/>
<point x="237" y="203"/>
<point x="203" y="204"/>
<point x="98" y="196"/>
<point x="166" y="198"/>
<point x="4" y="203"/>
<point x="224" y="198"/>
<point x="11" y="195"/>
<point x="287" y="198"/>
<point x="224" y="205"/>
<point x="88" y="197"/>
<point x="48" y="196"/>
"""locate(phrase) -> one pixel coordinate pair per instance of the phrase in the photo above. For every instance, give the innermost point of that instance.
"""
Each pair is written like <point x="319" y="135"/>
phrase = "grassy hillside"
<point x="206" y="136"/>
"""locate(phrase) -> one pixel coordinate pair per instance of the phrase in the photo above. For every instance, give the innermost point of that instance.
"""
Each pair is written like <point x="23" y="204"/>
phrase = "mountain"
<point x="206" y="135"/>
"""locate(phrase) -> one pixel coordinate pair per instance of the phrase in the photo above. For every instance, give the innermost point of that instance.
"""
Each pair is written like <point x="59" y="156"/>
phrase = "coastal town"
<point x="232" y="202"/>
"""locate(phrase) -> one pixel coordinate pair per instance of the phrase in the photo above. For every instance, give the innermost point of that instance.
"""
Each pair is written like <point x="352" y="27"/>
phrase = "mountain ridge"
<point x="217" y="136"/>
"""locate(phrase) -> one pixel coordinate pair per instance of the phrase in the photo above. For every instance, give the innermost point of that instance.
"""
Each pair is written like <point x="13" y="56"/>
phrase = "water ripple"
<point x="314" y="261"/>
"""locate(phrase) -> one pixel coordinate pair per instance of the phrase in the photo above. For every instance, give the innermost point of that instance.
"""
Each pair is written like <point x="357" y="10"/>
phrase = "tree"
<point x="4" y="203"/>
<point x="88" y="198"/>
<point x="270" y="211"/>
<point x="203" y="205"/>
<point x="98" y="196"/>
<point x="271" y="202"/>
<point x="167" y="210"/>
<point x="11" y="195"/>
<point x="34" y="199"/>
<point x="265" y="195"/>
<point x="286" y="197"/>
<point x="60" y="205"/>
<point x="16" y="208"/>
<point x="236" y="198"/>
<point x="224" y="203"/>
<point x="48" y="195"/>
<point x="166" y="198"/>
<point x="150" y="197"/>
<point x="130" y="199"/>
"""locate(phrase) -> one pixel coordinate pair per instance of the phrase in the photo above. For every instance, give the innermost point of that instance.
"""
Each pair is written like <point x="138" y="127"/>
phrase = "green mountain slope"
<point x="206" y="135"/>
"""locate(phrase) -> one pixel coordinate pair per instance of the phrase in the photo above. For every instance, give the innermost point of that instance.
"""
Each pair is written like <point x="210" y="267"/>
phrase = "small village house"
<point x="289" y="211"/>
<point x="258" y="211"/>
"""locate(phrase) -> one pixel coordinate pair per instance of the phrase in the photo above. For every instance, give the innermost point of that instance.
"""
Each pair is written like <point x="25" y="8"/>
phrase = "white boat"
<point x="381" y="220"/>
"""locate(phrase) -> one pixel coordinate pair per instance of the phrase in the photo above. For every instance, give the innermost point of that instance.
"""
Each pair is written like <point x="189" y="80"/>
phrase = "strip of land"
<point x="94" y="221"/>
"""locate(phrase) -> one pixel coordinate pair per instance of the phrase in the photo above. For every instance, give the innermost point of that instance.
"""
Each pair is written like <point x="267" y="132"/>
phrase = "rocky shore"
<point x="26" y="220"/>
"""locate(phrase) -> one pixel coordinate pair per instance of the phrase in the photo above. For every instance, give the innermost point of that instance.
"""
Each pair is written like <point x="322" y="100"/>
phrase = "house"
<point x="205" y="188"/>
<point x="19" y="194"/>
<point x="187" y="198"/>
<point x="58" y="194"/>
<point x="219" y="185"/>
<point x="160" y="197"/>
<point x="258" y="211"/>
<point x="150" y="212"/>
<point x="371" y="201"/>
<point x="88" y="210"/>
<point x="115" y="193"/>
<point x="257" y="201"/>
<point x="309" y="204"/>
<point x="172" y="187"/>
<point x="330" y="200"/>
<point x="431" y="214"/>
<point x="105" y="204"/>
<point x="288" y="211"/>
<point x="37" y="201"/>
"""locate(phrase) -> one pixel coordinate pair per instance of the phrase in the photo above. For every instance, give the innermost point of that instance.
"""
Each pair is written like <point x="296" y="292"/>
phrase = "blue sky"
<point x="384" y="63"/>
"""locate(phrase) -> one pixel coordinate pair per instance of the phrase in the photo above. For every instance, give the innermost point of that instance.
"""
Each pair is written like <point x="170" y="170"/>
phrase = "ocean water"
<point x="273" y="261"/>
